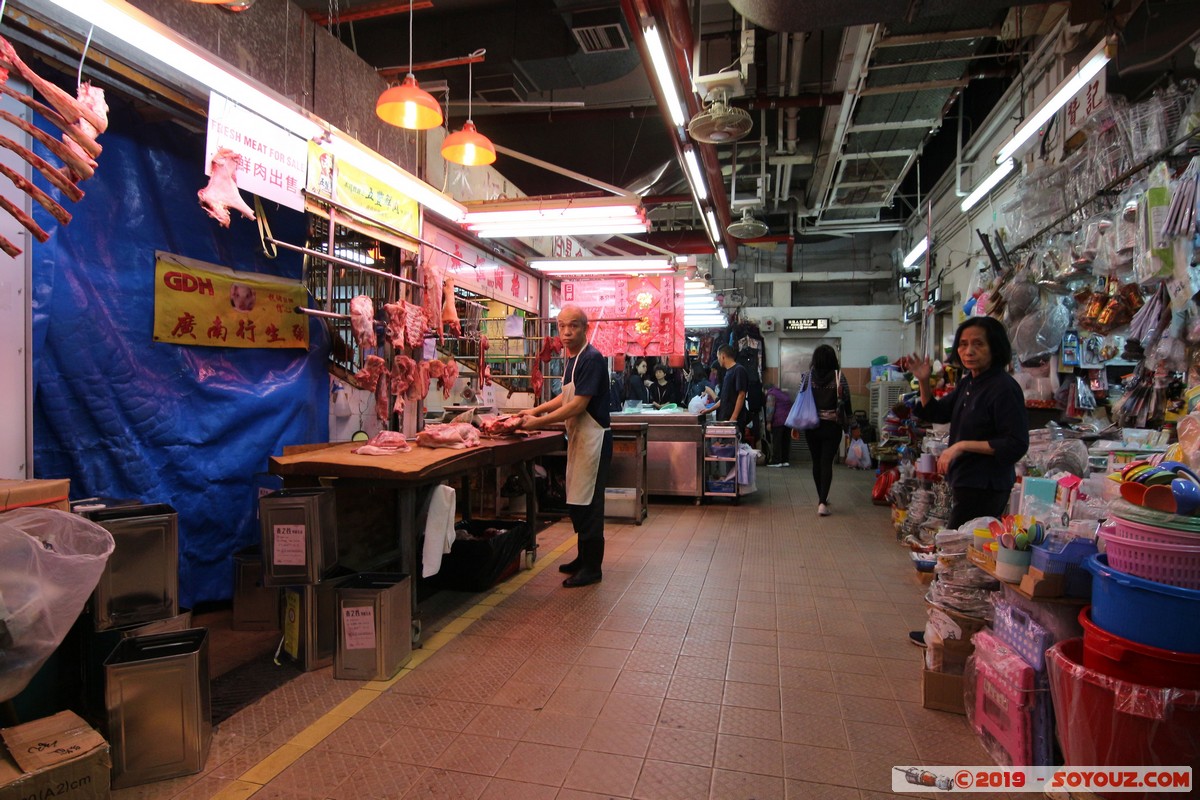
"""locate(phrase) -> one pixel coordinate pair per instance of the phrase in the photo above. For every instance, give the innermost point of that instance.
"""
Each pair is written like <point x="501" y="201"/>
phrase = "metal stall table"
<point x="626" y="496"/>
<point x="409" y="474"/>
<point x="673" y="450"/>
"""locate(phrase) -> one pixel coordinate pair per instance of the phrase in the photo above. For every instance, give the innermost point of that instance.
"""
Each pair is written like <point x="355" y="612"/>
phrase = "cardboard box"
<point x="59" y="756"/>
<point x="35" y="493"/>
<point x="950" y="655"/>
<point x="942" y="692"/>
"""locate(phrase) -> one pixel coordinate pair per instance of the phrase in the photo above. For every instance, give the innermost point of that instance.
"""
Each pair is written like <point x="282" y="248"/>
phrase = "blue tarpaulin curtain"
<point x="123" y="416"/>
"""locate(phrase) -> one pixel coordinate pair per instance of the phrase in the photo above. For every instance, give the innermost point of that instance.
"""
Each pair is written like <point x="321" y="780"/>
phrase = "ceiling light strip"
<point x="1076" y="80"/>
<point x="664" y="74"/>
<point x="695" y="174"/>
<point x="915" y="254"/>
<point x="990" y="182"/>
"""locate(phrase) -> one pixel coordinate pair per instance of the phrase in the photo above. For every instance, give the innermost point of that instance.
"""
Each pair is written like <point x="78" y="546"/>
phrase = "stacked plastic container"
<point x="1008" y="699"/>
<point x="1128" y="692"/>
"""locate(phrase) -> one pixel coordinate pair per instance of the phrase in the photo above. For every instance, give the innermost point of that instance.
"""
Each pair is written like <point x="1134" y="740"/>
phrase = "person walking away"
<point x="583" y="407"/>
<point x="778" y="404"/>
<point x="989" y="426"/>
<point x="831" y="395"/>
<point x="664" y="390"/>
<point x="731" y="406"/>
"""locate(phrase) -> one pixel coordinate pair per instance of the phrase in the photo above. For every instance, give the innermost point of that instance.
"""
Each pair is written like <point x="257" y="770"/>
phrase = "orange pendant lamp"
<point x="409" y="106"/>
<point x="468" y="146"/>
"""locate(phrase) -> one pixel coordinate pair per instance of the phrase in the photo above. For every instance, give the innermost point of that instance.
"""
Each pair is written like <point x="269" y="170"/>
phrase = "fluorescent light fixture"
<point x="539" y="210"/>
<point x="665" y="75"/>
<point x="714" y="229"/>
<point x="989" y="183"/>
<point x="695" y="174"/>
<point x="530" y="229"/>
<point x="141" y="31"/>
<point x="915" y="254"/>
<point x="627" y="265"/>
<point x="1076" y="80"/>
<point x="723" y="256"/>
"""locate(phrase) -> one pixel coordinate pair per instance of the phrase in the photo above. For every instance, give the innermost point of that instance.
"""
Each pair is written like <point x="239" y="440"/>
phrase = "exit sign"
<point x="806" y="324"/>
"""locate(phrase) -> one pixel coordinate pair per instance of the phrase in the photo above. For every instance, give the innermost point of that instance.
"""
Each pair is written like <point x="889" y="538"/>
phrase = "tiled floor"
<point x="748" y="651"/>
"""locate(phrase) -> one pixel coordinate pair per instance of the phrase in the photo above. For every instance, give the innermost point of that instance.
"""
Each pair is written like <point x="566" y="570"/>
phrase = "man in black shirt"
<point x="734" y="387"/>
<point x="583" y="408"/>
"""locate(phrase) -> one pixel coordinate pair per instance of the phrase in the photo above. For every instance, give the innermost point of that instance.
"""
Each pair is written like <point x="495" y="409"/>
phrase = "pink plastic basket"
<point x="1169" y="563"/>
<point x="1140" y="532"/>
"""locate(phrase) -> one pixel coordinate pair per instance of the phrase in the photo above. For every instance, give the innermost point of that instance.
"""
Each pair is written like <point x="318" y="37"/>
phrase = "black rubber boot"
<point x="591" y="556"/>
<point x="572" y="566"/>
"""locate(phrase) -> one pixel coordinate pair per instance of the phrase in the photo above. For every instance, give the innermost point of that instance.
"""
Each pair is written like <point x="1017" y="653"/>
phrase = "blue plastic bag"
<point x="803" y="415"/>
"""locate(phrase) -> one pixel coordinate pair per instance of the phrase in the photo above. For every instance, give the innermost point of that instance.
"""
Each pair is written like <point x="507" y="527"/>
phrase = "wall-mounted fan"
<point x="747" y="227"/>
<point x="719" y="122"/>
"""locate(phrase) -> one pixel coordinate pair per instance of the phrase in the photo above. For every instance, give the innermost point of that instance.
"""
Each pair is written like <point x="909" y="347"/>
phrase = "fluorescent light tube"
<point x="989" y="183"/>
<point x="538" y="210"/>
<point x="602" y="270"/>
<point x="714" y="229"/>
<point x="548" y="264"/>
<point x="723" y="256"/>
<point x="1076" y="80"/>
<point x="915" y="254"/>
<point x="598" y="228"/>
<point x="695" y="174"/>
<point x="665" y="75"/>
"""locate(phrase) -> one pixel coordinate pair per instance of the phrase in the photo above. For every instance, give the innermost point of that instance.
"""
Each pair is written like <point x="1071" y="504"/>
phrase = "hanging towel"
<point x="439" y="529"/>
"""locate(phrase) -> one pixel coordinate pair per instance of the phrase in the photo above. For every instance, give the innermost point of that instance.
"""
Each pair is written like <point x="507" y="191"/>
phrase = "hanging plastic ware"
<point x="50" y="561"/>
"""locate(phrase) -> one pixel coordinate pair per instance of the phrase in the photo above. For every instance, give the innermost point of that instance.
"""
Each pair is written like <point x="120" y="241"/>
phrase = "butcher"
<point x="582" y="407"/>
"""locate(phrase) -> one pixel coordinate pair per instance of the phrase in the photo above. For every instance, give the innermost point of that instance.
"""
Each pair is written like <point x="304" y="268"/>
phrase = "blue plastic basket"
<point x="1058" y="557"/>
<point x="1144" y="611"/>
<point x="1026" y="637"/>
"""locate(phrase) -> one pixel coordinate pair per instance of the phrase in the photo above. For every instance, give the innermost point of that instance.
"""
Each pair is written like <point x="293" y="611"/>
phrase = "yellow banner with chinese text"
<point x="208" y="305"/>
<point x="362" y="193"/>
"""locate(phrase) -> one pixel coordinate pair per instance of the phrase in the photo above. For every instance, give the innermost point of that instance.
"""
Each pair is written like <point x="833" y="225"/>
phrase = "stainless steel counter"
<point x="674" y="451"/>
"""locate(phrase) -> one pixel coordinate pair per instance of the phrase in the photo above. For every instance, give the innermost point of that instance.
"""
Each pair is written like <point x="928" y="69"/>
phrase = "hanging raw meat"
<point x="381" y="396"/>
<point x="432" y="300"/>
<point x="551" y="347"/>
<point x="535" y="380"/>
<point x="92" y="98"/>
<point x="404" y="374"/>
<point x="449" y="374"/>
<point x="420" y="384"/>
<point x="50" y="172"/>
<point x="80" y="164"/>
<point x="415" y="324"/>
<point x="70" y="108"/>
<point x="43" y="199"/>
<point x="368" y="377"/>
<point x="362" y="321"/>
<point x="450" y="310"/>
<point x="222" y="193"/>
<point x="395" y="324"/>
<point x="87" y="143"/>
<point x="481" y="367"/>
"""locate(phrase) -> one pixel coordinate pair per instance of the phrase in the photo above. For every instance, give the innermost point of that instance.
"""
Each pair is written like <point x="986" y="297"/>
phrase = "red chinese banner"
<point x="641" y="316"/>
<point x="204" y="304"/>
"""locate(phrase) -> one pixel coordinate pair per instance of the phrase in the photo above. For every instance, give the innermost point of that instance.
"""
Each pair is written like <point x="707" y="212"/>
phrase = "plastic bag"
<point x="697" y="405"/>
<point x="50" y="561"/>
<point x="857" y="455"/>
<point x="803" y="415"/>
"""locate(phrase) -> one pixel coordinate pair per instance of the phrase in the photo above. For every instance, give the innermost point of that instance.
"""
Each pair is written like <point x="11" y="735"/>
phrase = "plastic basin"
<point x="1137" y="663"/>
<point x="1144" y="611"/>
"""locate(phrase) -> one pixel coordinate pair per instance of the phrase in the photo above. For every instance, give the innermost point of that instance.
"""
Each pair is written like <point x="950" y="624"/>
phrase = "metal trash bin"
<point x="299" y="535"/>
<point x="374" y="626"/>
<point x="159" y="706"/>
<point x="310" y="622"/>
<point x="141" y="579"/>
<point x="255" y="607"/>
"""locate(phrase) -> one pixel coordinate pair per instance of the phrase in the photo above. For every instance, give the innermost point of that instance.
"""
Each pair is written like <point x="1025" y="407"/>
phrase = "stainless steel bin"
<point x="299" y="535"/>
<point x="159" y="706"/>
<point x="140" y="582"/>
<point x="310" y="623"/>
<point x="374" y="626"/>
<point x="255" y="607"/>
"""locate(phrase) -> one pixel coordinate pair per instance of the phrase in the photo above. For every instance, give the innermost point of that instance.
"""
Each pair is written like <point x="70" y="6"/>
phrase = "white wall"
<point x="865" y="331"/>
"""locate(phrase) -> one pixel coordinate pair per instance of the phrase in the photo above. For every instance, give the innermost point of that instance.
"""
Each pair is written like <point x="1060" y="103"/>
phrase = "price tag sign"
<point x="358" y="627"/>
<point x="288" y="547"/>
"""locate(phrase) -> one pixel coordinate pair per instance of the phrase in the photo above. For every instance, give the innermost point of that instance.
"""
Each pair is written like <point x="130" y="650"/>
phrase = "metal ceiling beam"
<point x="877" y="154"/>
<point x="878" y="127"/>
<point x="905" y="40"/>
<point x="905" y="88"/>
<point x="372" y="11"/>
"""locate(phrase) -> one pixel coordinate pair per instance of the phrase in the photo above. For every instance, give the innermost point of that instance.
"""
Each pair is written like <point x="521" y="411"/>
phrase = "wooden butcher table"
<point x="409" y="474"/>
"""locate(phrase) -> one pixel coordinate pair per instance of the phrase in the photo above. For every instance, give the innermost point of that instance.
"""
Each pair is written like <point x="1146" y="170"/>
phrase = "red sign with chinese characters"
<point x="640" y="316"/>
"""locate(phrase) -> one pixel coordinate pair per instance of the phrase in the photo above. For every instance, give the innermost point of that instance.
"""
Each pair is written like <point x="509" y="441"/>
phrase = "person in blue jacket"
<point x="989" y="426"/>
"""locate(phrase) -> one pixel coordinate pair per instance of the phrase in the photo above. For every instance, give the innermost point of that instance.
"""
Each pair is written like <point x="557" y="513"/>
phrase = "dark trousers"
<point x="823" y="442"/>
<point x="781" y="441"/>
<point x="588" y="520"/>
<point x="971" y="503"/>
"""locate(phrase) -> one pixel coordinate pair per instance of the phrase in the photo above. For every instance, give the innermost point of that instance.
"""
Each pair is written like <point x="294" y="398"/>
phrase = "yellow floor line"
<point x="264" y="771"/>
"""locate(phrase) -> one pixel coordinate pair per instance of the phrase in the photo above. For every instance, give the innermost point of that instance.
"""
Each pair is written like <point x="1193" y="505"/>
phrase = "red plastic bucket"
<point x="1134" y="662"/>
<point x="1103" y="721"/>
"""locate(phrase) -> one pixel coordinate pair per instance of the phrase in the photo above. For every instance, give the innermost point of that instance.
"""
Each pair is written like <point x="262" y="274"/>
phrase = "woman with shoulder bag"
<point x="831" y="394"/>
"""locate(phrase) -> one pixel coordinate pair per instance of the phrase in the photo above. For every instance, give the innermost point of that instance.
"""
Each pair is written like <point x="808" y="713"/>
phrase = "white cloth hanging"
<point x="439" y="529"/>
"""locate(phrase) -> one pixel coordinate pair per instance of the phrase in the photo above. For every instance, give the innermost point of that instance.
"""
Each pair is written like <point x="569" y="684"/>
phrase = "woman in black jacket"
<point x="831" y="394"/>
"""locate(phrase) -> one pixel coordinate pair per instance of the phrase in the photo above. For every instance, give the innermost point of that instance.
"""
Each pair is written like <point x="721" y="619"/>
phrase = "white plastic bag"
<point x="858" y="455"/>
<point x="697" y="405"/>
<point x="50" y="561"/>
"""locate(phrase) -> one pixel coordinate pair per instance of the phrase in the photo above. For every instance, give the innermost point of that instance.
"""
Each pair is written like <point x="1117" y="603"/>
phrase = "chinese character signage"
<point x="203" y="304"/>
<point x="640" y="316"/>
<point x="1086" y="102"/>
<point x="477" y="271"/>
<point x="274" y="161"/>
<point x="806" y="324"/>
<point x="361" y="192"/>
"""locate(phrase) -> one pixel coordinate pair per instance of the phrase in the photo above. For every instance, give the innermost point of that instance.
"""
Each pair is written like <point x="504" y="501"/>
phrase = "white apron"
<point x="585" y="441"/>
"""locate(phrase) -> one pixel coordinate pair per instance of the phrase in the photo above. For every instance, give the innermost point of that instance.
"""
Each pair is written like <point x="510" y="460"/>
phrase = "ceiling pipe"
<point x="806" y="100"/>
